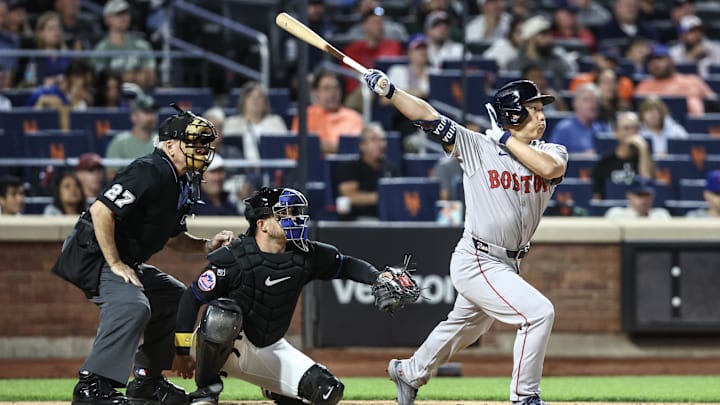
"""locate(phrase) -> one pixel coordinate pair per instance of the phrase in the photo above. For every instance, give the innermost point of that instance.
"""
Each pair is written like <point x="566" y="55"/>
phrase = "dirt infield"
<point x="370" y="363"/>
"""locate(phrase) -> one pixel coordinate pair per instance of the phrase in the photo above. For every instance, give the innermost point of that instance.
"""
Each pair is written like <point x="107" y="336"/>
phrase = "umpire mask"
<point x="291" y="211"/>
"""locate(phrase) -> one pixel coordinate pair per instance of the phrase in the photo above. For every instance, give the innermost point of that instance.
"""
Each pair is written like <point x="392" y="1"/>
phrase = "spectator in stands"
<point x="640" y="197"/>
<point x="607" y="58"/>
<point x="216" y="200"/>
<point x="46" y="71"/>
<point x="216" y="115"/>
<point x="367" y="50"/>
<point x="637" y="53"/>
<point x="610" y="101"/>
<point x="68" y="197"/>
<point x="631" y="157"/>
<point x="393" y="30"/>
<point x="17" y="21"/>
<point x="12" y="195"/>
<point x="91" y="173"/>
<point x="358" y="179"/>
<point x="536" y="74"/>
<point x="711" y="194"/>
<point x="440" y="46"/>
<point x="492" y="22"/>
<point x="140" y="139"/>
<point x="658" y="126"/>
<point x="626" y="24"/>
<point x="680" y="9"/>
<point x="415" y="76"/>
<point x="591" y="13"/>
<point x="326" y="117"/>
<point x="135" y="68"/>
<point x="694" y="47"/>
<point x="577" y="133"/>
<point x="253" y="120"/>
<point x="665" y="81"/>
<point x="8" y="41"/>
<point x="503" y="50"/>
<point x="566" y="25"/>
<point x="108" y="87"/>
<point x="81" y="30"/>
<point x="70" y="92"/>
<point x="539" y="48"/>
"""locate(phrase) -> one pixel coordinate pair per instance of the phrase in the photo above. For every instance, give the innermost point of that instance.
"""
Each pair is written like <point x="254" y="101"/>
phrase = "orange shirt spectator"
<point x="327" y="117"/>
<point x="625" y="85"/>
<point x="664" y="81"/>
<point x="373" y="45"/>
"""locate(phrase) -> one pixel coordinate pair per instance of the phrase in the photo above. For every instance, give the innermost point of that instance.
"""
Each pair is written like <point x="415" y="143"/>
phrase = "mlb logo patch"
<point x="207" y="281"/>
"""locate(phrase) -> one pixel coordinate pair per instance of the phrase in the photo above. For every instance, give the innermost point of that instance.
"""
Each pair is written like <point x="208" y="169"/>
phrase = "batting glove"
<point x="496" y="133"/>
<point x="379" y="83"/>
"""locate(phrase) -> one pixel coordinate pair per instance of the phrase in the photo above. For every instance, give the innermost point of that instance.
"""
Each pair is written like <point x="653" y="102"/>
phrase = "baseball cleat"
<point x="155" y="391"/>
<point x="209" y="395"/>
<point x="406" y="393"/>
<point x="95" y="390"/>
<point x="531" y="400"/>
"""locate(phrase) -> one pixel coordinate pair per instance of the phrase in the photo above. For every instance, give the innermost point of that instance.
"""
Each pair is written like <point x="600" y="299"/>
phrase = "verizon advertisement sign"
<point x="341" y="312"/>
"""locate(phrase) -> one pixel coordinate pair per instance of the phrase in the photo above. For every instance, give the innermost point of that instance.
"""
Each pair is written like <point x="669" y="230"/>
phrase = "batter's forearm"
<point x="541" y="163"/>
<point x="413" y="108"/>
<point x="104" y="227"/>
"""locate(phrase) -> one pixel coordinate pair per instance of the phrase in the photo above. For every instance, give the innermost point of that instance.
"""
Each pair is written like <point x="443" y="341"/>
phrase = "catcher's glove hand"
<point x="395" y="287"/>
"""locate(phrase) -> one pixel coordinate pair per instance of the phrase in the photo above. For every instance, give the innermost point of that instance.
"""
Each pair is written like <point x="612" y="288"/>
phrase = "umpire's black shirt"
<point x="149" y="200"/>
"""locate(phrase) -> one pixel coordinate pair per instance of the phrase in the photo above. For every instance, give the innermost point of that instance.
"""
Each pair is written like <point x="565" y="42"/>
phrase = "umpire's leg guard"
<point x="220" y="325"/>
<point x="320" y="387"/>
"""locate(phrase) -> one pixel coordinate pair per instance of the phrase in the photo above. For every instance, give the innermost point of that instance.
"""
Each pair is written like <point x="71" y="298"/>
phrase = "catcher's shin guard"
<point x="320" y="387"/>
<point x="220" y="325"/>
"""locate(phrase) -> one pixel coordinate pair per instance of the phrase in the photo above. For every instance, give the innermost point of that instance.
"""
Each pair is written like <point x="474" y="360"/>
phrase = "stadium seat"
<point x="473" y="64"/>
<point x="18" y="97"/>
<point x="446" y="87"/>
<point x="605" y="143"/>
<point x="349" y="145"/>
<point x="332" y="164"/>
<point x="687" y="68"/>
<point x="707" y="124"/>
<point x="615" y="191"/>
<point x="407" y="199"/>
<point x="691" y="189"/>
<point x="577" y="190"/>
<point x="678" y="208"/>
<point x="197" y="99"/>
<point x="580" y="166"/>
<point x="99" y="123"/>
<point x="56" y="144"/>
<point x="671" y="168"/>
<point x="706" y="143"/>
<point x="419" y="165"/>
<point x="27" y="120"/>
<point x="285" y="146"/>
<point x="502" y="78"/>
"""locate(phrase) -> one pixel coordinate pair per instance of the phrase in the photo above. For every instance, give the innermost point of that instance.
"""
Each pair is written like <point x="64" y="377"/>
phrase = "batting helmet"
<point x="509" y="100"/>
<point x="288" y="205"/>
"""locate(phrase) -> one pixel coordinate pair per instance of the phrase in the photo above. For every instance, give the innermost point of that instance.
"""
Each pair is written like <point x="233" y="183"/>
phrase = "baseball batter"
<point x="508" y="178"/>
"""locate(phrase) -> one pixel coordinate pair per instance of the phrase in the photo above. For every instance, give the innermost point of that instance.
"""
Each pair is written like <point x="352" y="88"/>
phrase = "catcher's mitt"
<point x="394" y="291"/>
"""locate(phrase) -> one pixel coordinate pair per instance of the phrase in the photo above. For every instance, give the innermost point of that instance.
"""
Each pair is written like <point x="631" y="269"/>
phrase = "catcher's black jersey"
<point x="150" y="201"/>
<point x="266" y="285"/>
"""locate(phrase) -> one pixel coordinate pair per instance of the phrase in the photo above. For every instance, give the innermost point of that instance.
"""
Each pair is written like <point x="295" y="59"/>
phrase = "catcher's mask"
<point x="288" y="206"/>
<point x="508" y="101"/>
<point x="196" y="134"/>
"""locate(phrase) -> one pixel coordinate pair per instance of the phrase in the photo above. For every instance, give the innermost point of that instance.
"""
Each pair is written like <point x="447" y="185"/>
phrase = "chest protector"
<point x="268" y="290"/>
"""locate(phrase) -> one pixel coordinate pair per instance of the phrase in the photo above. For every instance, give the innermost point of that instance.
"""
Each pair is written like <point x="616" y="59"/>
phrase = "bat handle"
<point x="354" y="65"/>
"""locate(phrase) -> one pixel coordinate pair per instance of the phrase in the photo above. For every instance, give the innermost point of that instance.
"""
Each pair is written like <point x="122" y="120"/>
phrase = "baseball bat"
<point x="304" y="33"/>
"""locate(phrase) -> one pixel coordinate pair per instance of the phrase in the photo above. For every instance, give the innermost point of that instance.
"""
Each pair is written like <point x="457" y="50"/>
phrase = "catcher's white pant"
<point x="278" y="367"/>
<point x="488" y="288"/>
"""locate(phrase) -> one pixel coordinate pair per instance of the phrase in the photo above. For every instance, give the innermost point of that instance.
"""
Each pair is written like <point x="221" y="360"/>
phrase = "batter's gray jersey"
<point x="504" y="199"/>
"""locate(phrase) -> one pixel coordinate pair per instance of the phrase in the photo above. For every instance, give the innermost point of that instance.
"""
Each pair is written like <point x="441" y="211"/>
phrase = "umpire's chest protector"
<point x="268" y="289"/>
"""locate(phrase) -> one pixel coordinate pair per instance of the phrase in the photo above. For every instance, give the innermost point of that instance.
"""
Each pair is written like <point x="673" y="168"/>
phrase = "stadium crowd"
<point x="636" y="83"/>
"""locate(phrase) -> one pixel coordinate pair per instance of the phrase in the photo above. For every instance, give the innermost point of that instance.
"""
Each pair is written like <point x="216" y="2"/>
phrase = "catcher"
<point x="251" y="288"/>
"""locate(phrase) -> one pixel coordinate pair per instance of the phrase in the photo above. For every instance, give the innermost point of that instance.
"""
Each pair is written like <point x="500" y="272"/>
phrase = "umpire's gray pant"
<point x="126" y="314"/>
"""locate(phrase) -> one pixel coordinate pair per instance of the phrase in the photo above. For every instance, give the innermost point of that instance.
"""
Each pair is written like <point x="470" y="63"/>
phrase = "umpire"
<point x="141" y="211"/>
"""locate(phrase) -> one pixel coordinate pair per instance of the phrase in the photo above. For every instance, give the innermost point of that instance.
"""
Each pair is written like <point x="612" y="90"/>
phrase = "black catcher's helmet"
<point x="290" y="208"/>
<point x="508" y="101"/>
<point x="261" y="204"/>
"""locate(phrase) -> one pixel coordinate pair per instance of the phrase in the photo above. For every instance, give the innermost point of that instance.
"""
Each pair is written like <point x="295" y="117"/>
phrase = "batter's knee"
<point x="320" y="386"/>
<point x="547" y="312"/>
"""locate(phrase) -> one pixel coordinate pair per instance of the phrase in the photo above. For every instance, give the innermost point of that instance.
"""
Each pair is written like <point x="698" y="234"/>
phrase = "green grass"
<point x="621" y="388"/>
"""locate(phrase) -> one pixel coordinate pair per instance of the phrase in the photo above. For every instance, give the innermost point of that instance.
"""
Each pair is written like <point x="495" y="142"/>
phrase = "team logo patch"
<point x="207" y="281"/>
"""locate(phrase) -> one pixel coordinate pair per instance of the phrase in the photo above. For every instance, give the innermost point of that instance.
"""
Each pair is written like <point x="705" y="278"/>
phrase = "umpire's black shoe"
<point x="209" y="395"/>
<point x="155" y="391"/>
<point x="95" y="390"/>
